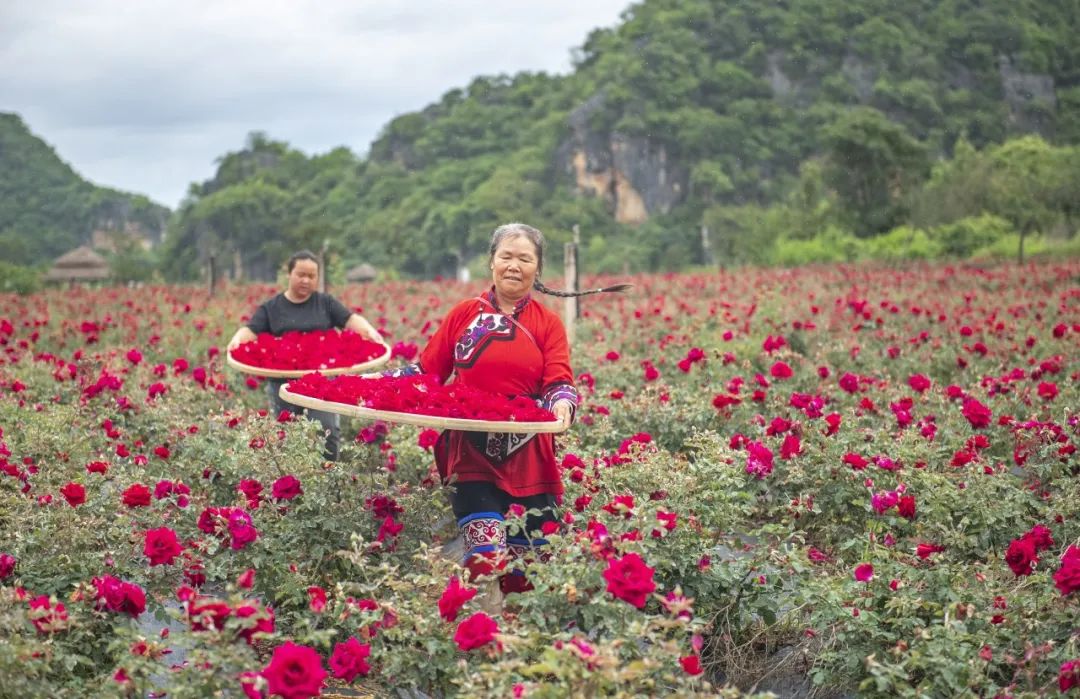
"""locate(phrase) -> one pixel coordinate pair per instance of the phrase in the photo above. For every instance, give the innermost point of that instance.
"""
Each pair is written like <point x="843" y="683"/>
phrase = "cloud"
<point x="145" y="95"/>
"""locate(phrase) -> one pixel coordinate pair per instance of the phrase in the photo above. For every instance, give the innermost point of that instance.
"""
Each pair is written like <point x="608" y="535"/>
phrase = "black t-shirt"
<point x="279" y="315"/>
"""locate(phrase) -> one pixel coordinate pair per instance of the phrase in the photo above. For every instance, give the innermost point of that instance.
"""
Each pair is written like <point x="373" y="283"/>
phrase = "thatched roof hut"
<point x="361" y="273"/>
<point x="79" y="265"/>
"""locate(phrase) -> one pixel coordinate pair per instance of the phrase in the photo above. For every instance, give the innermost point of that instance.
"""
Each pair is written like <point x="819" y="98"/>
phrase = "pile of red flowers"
<point x="420" y="395"/>
<point x="306" y="351"/>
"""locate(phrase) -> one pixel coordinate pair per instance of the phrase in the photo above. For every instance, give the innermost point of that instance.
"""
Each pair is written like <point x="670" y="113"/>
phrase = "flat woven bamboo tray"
<point x="297" y="373"/>
<point x="446" y="423"/>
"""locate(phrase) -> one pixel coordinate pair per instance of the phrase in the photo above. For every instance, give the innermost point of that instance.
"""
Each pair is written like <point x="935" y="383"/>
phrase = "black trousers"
<point x="471" y="497"/>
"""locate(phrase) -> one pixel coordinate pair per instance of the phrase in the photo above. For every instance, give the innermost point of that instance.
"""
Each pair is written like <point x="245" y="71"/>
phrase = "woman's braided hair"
<point x="534" y="236"/>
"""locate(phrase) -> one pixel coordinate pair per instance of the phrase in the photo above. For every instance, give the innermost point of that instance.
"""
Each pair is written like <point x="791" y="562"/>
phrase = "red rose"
<point x="262" y="621"/>
<point x="405" y="350"/>
<point x="45" y="616"/>
<point x="137" y="495"/>
<point x="864" y="572"/>
<point x="1041" y="537"/>
<point x="976" y="413"/>
<point x="629" y="579"/>
<point x="780" y="370"/>
<point x="427" y="439"/>
<point x="924" y="550"/>
<point x="211" y="519"/>
<point x="454" y="598"/>
<point x="294" y="672"/>
<point x="116" y="595"/>
<point x="849" y="382"/>
<point x="476" y="631"/>
<point x="1047" y="390"/>
<point x="349" y="659"/>
<point x="759" y="460"/>
<point x="722" y="400"/>
<point x="241" y="533"/>
<point x="207" y="613"/>
<point x="286" y="488"/>
<point x="918" y="382"/>
<point x="246" y="579"/>
<point x="856" y="461"/>
<point x="791" y="447"/>
<point x="622" y="505"/>
<point x="161" y="546"/>
<point x="252" y="490"/>
<point x="74" y="493"/>
<point x="1021" y="556"/>
<point x="1069" y="675"/>
<point x="316" y="599"/>
<point x="383" y="506"/>
<point x="691" y="665"/>
<point x="1067" y="577"/>
<point x="905" y="506"/>
<point x="7" y="565"/>
<point x="388" y="530"/>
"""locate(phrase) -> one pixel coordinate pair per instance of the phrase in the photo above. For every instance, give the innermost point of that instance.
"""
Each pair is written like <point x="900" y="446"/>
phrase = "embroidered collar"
<point x="518" y="307"/>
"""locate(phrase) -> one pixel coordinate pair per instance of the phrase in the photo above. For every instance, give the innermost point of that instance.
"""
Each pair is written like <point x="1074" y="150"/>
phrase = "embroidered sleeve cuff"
<point x="407" y="370"/>
<point x="561" y="391"/>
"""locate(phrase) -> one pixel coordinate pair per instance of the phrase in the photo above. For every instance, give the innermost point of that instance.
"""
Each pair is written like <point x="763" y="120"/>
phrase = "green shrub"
<point x="1007" y="247"/>
<point x="963" y="237"/>
<point x="902" y="243"/>
<point x="18" y="279"/>
<point x="833" y="245"/>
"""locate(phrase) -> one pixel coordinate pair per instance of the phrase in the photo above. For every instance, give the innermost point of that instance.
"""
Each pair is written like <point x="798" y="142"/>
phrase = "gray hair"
<point x="519" y="230"/>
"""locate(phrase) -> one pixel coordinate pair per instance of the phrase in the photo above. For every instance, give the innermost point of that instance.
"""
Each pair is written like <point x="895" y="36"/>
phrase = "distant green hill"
<point x="46" y="208"/>
<point x="688" y="112"/>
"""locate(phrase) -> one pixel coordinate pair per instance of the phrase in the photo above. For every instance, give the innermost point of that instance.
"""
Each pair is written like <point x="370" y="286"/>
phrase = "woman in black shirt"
<point x="300" y="307"/>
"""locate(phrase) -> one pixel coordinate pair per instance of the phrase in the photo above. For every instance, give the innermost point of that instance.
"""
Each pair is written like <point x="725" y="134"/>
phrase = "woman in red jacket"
<point x="505" y="342"/>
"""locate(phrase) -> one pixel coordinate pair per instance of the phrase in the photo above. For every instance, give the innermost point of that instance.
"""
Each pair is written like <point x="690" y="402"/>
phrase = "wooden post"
<point x="212" y="281"/>
<point x="570" y="309"/>
<point x="706" y="247"/>
<point x="577" y="271"/>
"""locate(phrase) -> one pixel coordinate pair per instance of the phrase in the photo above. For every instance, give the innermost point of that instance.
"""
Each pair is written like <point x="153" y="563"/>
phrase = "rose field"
<point x="834" y="481"/>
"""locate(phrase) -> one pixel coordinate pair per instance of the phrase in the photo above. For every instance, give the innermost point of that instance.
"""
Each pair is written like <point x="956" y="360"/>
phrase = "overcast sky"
<point x="144" y="95"/>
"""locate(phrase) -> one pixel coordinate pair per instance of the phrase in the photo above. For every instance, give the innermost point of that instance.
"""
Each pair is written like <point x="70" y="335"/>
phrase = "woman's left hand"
<point x="563" y="410"/>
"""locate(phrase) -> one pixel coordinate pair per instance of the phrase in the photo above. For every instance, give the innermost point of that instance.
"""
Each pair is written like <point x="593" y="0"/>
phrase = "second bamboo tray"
<point x="297" y="373"/>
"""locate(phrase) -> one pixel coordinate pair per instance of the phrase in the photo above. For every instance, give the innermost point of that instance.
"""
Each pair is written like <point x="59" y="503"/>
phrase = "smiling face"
<point x="513" y="268"/>
<point x="303" y="280"/>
